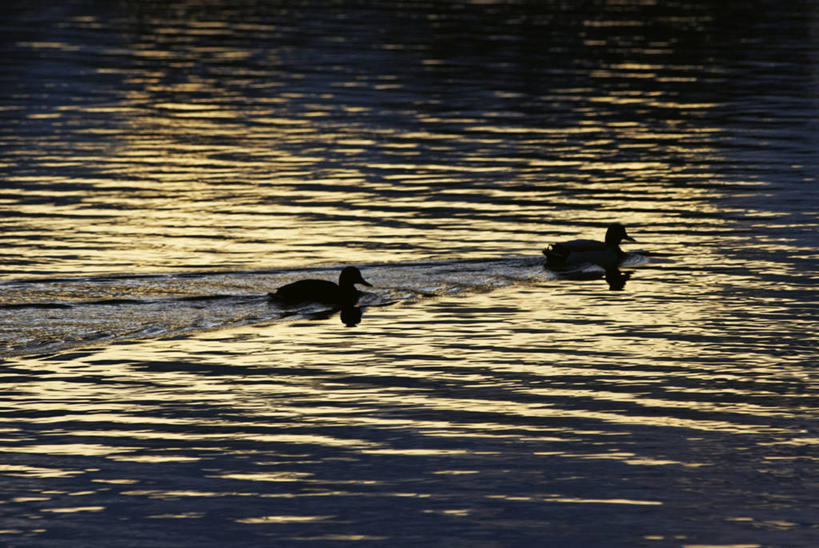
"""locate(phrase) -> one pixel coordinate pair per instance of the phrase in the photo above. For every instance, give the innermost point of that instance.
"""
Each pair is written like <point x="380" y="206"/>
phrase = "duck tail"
<point x="555" y="256"/>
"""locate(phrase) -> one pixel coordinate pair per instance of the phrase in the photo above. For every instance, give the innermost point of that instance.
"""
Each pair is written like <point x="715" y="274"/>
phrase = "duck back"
<point x="577" y="252"/>
<point x="605" y="256"/>
<point x="576" y="246"/>
<point x="320" y="291"/>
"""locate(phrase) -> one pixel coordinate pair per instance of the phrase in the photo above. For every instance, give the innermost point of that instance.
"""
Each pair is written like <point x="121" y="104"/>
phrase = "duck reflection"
<point x="614" y="276"/>
<point x="617" y="279"/>
<point x="349" y="315"/>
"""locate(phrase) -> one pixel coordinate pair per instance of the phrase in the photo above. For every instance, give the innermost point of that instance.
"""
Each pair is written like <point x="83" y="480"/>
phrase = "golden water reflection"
<point x="302" y="375"/>
<point x="164" y="140"/>
<point x="212" y="180"/>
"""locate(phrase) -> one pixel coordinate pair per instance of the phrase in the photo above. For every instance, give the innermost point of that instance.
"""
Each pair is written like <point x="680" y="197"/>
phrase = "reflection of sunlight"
<point x="602" y="501"/>
<point x="284" y="519"/>
<point x="190" y="177"/>
<point x="269" y="476"/>
<point x="417" y="452"/>
<point x="66" y="449"/>
<point x="20" y="470"/>
<point x="153" y="459"/>
<point x="169" y="494"/>
<point x="205" y="162"/>
<point x="186" y="515"/>
<point x="613" y="341"/>
<point x="75" y="509"/>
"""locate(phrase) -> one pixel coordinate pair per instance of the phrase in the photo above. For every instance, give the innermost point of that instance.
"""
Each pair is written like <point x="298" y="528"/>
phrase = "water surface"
<point x="164" y="167"/>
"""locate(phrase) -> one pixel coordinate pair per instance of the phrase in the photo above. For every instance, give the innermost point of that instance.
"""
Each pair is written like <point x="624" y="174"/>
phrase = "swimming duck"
<point x="607" y="255"/>
<point x="343" y="294"/>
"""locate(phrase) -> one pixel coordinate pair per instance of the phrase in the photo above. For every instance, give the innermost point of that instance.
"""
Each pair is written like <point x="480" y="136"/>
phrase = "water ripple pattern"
<point x="164" y="166"/>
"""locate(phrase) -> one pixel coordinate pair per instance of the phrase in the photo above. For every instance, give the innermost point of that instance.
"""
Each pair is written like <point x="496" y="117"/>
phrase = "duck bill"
<point x="362" y="281"/>
<point x="629" y="238"/>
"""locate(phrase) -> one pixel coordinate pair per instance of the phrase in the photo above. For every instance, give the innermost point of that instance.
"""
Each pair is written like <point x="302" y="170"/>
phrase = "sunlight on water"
<point x="216" y="181"/>
<point x="166" y="166"/>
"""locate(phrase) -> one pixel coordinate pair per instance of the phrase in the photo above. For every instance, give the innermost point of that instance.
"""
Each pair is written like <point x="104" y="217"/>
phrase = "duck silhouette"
<point x="606" y="254"/>
<point x="340" y="295"/>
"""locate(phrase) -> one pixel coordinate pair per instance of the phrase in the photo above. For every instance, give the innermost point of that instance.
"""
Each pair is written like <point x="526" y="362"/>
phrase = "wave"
<point x="49" y="315"/>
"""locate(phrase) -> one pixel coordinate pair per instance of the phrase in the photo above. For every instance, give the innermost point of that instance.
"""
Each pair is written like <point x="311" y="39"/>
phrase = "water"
<point x="164" y="167"/>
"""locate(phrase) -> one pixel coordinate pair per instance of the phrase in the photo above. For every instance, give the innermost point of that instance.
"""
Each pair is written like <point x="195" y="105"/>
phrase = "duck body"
<point x="606" y="254"/>
<point x="341" y="294"/>
<point x="321" y="291"/>
<point x="565" y="255"/>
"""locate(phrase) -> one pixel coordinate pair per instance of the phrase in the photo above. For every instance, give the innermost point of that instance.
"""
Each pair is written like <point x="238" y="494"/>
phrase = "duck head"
<point x="351" y="276"/>
<point x="616" y="233"/>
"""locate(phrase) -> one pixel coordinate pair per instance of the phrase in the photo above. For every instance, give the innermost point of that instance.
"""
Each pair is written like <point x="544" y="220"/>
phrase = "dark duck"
<point x="343" y="294"/>
<point x="606" y="254"/>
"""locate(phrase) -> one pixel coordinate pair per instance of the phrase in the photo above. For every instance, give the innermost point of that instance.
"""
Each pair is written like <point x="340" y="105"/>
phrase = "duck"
<point x="606" y="255"/>
<point x="343" y="294"/>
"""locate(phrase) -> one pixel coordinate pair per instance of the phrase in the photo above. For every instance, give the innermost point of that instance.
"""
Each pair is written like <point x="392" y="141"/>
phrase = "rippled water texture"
<point x="165" y="165"/>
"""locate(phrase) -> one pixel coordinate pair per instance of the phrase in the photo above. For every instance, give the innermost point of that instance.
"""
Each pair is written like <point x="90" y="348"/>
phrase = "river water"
<point x="163" y="166"/>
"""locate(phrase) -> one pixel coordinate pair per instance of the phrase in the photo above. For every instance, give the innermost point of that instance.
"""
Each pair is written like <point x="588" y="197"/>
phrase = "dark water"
<point x="163" y="166"/>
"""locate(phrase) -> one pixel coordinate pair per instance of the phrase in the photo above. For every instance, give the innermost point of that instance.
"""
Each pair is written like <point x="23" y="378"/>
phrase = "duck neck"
<point x="348" y="294"/>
